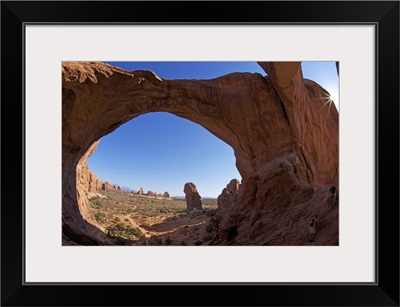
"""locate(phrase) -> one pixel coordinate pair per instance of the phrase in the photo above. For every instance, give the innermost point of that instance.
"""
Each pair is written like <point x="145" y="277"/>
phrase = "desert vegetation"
<point x="129" y="219"/>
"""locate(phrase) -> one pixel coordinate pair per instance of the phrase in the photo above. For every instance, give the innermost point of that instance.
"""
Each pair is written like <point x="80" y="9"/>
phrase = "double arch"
<point x="260" y="117"/>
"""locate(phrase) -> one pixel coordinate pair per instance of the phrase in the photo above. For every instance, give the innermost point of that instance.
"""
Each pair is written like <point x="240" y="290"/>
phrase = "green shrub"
<point x="100" y="217"/>
<point x="95" y="203"/>
<point x="126" y="231"/>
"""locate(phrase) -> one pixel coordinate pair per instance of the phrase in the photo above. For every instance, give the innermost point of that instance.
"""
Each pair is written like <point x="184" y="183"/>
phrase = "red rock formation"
<point x="282" y="207"/>
<point x="192" y="196"/>
<point x="285" y="142"/>
<point x="229" y="195"/>
<point x="88" y="182"/>
<point x="109" y="186"/>
<point x="152" y="194"/>
<point x="166" y="195"/>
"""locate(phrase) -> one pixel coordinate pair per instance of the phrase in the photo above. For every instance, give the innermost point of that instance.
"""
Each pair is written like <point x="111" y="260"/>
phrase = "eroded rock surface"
<point x="284" y="139"/>
<point x="229" y="195"/>
<point x="88" y="184"/>
<point x="283" y="204"/>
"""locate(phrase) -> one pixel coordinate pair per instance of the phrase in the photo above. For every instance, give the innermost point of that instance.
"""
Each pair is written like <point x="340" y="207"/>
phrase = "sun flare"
<point x="328" y="100"/>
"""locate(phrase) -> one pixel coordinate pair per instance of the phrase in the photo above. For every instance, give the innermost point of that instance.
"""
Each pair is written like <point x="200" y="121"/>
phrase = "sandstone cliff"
<point x="89" y="184"/>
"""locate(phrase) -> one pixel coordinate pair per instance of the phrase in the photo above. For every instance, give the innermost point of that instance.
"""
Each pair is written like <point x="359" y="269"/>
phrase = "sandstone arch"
<point x="275" y="124"/>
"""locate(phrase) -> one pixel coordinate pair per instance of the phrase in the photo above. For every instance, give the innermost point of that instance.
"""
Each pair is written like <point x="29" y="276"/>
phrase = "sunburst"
<point x="328" y="101"/>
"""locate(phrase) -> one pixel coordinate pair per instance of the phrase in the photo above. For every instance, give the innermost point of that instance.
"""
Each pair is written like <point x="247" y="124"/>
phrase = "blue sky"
<point x="161" y="152"/>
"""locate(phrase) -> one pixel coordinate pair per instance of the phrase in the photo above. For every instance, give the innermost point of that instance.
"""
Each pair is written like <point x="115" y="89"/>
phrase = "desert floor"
<point x="130" y="219"/>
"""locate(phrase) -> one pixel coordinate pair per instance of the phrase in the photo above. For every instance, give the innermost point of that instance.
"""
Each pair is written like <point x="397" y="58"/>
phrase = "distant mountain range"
<point x="126" y="189"/>
<point x="209" y="198"/>
<point x="178" y="197"/>
<point x="203" y="198"/>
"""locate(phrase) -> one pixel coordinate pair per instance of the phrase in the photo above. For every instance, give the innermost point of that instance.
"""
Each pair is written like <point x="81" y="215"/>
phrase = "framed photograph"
<point x="240" y="154"/>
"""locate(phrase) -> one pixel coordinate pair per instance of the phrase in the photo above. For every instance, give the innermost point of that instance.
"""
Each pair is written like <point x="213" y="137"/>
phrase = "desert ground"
<point x="130" y="219"/>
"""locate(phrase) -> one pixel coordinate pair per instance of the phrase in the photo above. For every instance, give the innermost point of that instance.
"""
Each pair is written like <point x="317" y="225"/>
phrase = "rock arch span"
<point x="276" y="125"/>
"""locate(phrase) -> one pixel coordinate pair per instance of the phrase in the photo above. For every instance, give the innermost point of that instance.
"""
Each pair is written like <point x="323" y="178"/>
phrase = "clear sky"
<point x="161" y="152"/>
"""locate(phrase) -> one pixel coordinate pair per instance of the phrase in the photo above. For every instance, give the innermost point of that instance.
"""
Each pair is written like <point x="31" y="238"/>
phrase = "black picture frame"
<point x="383" y="14"/>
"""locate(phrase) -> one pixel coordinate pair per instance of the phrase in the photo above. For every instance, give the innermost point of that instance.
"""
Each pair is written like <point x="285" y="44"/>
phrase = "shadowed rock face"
<point x="285" y="142"/>
<point x="229" y="195"/>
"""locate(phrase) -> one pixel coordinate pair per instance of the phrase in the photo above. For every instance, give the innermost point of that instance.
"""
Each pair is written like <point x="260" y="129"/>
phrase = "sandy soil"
<point x="133" y="220"/>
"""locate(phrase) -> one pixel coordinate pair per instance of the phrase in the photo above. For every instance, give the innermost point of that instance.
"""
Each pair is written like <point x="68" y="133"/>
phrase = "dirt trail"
<point x="149" y="221"/>
<point x="172" y="230"/>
